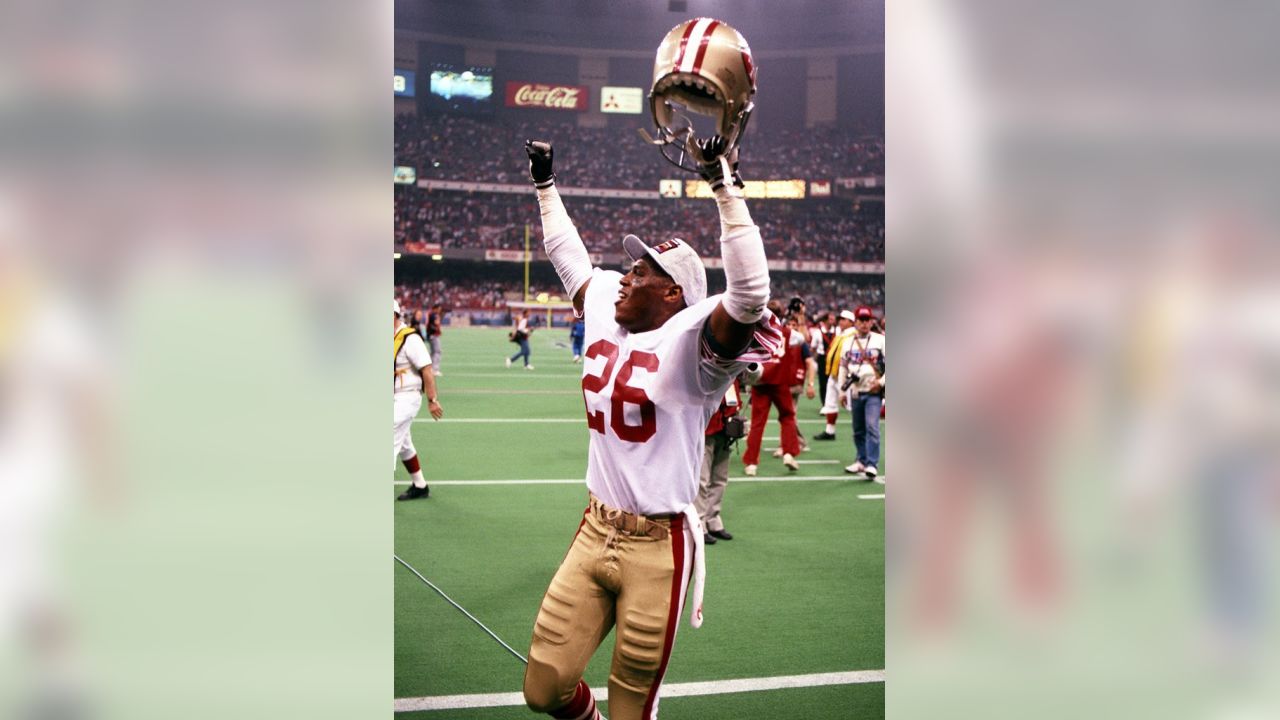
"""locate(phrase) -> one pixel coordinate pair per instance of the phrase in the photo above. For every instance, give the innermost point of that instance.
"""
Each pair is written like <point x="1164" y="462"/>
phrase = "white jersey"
<point x="861" y="352"/>
<point x="648" y="398"/>
<point x="816" y="345"/>
<point x="413" y="356"/>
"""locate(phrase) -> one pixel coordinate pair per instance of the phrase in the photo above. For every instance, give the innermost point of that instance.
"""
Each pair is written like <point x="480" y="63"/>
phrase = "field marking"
<point x="583" y="420"/>
<point x="669" y="690"/>
<point x="819" y="462"/>
<point x="871" y="497"/>
<point x="580" y="421"/>
<point x="512" y="372"/>
<point x="490" y="391"/>
<point x="582" y="481"/>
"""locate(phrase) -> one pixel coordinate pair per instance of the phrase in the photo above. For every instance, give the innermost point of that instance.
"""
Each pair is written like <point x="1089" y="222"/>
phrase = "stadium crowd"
<point x="478" y="149"/>
<point x="469" y="288"/>
<point x="832" y="230"/>
<point x="452" y="147"/>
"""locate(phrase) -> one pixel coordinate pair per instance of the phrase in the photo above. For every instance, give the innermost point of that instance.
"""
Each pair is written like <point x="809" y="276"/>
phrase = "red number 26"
<point x="622" y="393"/>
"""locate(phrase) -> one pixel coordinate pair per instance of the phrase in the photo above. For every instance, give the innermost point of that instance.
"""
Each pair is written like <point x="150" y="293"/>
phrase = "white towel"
<point x="694" y="523"/>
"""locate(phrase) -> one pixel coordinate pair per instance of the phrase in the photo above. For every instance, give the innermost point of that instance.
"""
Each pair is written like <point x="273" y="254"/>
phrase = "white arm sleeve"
<point x="746" y="270"/>
<point x="561" y="241"/>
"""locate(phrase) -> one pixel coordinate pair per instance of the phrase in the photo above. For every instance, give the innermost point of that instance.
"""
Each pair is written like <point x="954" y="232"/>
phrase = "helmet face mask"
<point x="704" y="67"/>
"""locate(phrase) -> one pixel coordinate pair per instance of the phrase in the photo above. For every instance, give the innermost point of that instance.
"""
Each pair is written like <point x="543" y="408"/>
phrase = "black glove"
<point x="712" y="161"/>
<point x="540" y="155"/>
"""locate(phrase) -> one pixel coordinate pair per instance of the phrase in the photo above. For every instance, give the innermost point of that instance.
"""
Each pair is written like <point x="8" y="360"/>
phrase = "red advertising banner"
<point x="504" y="255"/>
<point x="416" y="247"/>
<point x="547" y="97"/>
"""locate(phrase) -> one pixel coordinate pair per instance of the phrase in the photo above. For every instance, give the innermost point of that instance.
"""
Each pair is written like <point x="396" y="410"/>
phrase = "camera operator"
<point x="861" y="380"/>
<point x="724" y="429"/>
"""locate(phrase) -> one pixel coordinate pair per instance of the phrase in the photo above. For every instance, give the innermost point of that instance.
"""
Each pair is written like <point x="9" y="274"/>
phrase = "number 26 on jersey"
<point x="621" y="394"/>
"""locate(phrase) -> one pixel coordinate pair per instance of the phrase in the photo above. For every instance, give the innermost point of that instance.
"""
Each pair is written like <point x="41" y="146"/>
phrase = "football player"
<point x="659" y="357"/>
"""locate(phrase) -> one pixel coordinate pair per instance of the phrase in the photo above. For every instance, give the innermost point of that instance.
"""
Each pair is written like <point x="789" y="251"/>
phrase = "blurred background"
<point x="1083" y="272"/>
<point x="192" y="234"/>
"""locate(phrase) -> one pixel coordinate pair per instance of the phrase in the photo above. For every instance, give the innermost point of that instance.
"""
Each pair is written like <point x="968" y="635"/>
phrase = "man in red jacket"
<point x="774" y="388"/>
<point x="800" y="357"/>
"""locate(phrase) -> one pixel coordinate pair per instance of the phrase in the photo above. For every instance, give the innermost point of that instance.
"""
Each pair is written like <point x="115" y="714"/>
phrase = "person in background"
<point x="520" y="333"/>
<point x="832" y="397"/>
<point x="723" y="430"/>
<point x="577" y="331"/>
<point x="862" y="373"/>
<point x="412" y="380"/>
<point x="774" y="388"/>
<point x="435" y="321"/>
<point x="800" y="357"/>
<point x="818" y="348"/>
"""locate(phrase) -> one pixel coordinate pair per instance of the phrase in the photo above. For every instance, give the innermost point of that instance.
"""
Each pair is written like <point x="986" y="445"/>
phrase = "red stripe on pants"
<point x="673" y="613"/>
<point x="576" y="533"/>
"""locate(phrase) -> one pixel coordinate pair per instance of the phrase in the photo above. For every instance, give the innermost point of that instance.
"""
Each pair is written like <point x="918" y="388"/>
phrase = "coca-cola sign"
<point x="547" y="97"/>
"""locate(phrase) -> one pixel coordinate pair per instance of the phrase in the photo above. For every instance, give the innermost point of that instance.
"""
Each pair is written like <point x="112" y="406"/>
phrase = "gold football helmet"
<point x="703" y="66"/>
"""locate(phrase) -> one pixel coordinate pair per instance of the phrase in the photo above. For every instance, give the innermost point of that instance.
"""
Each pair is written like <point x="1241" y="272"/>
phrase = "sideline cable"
<point x="462" y="610"/>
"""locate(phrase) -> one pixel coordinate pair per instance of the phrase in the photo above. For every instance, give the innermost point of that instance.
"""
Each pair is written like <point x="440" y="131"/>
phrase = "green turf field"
<point x="799" y="591"/>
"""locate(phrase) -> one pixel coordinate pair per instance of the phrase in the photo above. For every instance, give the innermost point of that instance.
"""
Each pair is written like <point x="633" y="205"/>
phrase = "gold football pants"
<point x="630" y="574"/>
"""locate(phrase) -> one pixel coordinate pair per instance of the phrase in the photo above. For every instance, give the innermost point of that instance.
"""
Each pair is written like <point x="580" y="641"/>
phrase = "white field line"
<point x="669" y="690"/>
<point x="871" y="497"/>
<point x="581" y="481"/>
<point x="446" y="392"/>
<point x="512" y="372"/>
<point x="537" y="421"/>
<point x="819" y="462"/>
<point x="582" y="420"/>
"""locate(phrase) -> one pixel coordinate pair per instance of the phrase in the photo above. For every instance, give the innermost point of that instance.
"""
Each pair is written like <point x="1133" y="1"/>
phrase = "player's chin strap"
<point x="694" y="524"/>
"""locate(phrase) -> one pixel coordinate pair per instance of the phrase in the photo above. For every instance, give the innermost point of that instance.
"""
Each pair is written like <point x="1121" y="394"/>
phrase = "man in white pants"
<point x="413" y="379"/>
<point x="831" y="403"/>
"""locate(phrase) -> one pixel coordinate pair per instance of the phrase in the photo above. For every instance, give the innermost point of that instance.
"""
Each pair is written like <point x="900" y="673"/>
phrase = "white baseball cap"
<point x="678" y="260"/>
<point x="396" y="304"/>
<point x="845" y="314"/>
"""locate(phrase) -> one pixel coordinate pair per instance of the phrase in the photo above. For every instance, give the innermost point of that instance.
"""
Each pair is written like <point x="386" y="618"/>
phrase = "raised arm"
<point x="746" y="270"/>
<point x="559" y="236"/>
